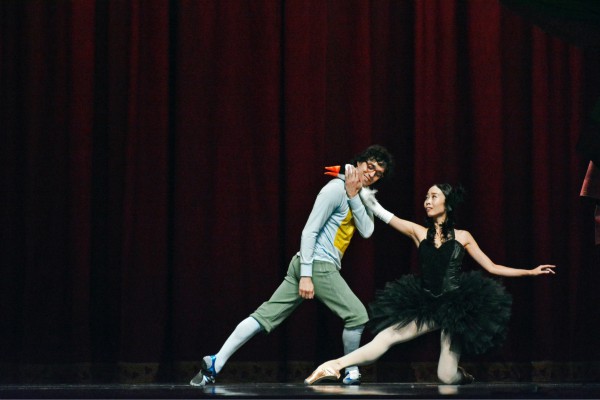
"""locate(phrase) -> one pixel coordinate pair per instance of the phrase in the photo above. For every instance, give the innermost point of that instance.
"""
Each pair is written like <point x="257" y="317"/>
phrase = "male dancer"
<point x="314" y="271"/>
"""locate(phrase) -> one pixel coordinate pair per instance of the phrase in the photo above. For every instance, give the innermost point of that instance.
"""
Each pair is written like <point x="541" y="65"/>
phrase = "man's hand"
<point x="306" y="288"/>
<point x="353" y="181"/>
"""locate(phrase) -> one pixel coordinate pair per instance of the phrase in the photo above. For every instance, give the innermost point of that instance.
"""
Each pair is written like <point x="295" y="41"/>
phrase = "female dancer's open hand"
<point x="543" y="269"/>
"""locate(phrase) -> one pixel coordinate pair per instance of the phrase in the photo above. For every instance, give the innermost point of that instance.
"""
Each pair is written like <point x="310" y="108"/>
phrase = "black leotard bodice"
<point x="440" y="267"/>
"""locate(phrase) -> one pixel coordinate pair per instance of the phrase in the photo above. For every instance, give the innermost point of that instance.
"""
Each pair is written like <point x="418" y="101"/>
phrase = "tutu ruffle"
<point x="476" y="314"/>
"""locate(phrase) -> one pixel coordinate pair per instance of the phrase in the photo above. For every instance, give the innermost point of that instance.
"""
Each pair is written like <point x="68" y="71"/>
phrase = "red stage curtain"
<point x="159" y="160"/>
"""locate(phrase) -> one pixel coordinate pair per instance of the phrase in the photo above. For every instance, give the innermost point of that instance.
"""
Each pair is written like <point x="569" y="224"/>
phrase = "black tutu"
<point x="475" y="314"/>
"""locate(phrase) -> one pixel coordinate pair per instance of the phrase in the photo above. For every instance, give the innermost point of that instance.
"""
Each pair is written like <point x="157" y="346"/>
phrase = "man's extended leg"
<point x="211" y="365"/>
<point x="242" y="333"/>
<point x="284" y="300"/>
<point x="267" y="317"/>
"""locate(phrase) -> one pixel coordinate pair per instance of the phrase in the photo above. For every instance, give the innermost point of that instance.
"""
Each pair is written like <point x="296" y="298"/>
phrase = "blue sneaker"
<point x="207" y="372"/>
<point x="352" y="378"/>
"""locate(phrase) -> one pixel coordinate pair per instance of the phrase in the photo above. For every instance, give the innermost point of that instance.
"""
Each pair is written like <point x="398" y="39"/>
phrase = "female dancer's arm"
<point x="479" y="256"/>
<point x="414" y="231"/>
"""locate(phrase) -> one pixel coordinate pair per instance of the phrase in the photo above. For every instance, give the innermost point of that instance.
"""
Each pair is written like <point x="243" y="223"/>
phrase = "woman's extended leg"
<point x="370" y="352"/>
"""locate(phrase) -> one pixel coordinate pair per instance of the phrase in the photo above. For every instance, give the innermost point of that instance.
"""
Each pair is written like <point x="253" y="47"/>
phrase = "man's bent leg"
<point x="351" y="338"/>
<point x="334" y="292"/>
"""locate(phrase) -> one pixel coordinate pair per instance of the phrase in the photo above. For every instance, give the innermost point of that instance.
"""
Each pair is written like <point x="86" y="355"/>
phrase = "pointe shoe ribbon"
<point x="322" y="373"/>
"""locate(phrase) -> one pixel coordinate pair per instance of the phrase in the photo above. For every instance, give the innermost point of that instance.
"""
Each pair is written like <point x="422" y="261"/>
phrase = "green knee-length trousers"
<point x="330" y="288"/>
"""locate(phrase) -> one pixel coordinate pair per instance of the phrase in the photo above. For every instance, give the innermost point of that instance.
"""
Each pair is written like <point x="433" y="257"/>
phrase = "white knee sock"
<point x="240" y="335"/>
<point x="351" y="339"/>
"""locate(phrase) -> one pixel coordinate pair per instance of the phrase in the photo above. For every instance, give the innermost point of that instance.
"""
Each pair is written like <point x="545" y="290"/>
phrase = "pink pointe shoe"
<point x="322" y="373"/>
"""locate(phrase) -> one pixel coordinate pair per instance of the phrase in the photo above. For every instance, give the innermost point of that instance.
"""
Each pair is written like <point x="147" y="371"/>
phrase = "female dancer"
<point x="471" y="311"/>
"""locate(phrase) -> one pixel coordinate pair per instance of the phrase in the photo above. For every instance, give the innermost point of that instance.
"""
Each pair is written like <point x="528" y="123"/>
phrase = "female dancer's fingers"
<point x="547" y="269"/>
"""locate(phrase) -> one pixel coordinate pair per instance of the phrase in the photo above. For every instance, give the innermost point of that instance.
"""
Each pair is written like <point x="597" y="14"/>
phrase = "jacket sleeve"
<point x="363" y="219"/>
<point x="326" y="202"/>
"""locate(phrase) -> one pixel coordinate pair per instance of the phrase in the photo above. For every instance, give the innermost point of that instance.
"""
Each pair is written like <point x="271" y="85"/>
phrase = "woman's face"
<point x="435" y="203"/>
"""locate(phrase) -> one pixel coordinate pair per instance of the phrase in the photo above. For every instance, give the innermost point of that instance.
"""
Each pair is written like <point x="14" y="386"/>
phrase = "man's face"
<point x="370" y="172"/>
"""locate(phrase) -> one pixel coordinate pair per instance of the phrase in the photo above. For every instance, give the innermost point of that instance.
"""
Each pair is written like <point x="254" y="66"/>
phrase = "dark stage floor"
<point x="299" y="391"/>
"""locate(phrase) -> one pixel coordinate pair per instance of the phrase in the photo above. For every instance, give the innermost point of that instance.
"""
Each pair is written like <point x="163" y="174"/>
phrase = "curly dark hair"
<point x="454" y="196"/>
<point x="381" y="155"/>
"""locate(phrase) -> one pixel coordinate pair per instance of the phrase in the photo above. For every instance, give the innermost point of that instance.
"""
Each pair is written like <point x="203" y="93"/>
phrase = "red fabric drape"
<point x="160" y="160"/>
